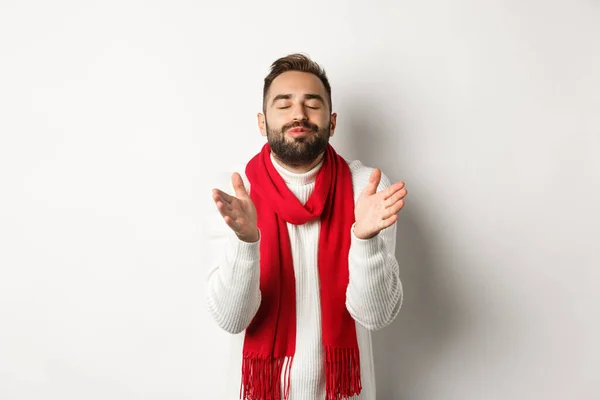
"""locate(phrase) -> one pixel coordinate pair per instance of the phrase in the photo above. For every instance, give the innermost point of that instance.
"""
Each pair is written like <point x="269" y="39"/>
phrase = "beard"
<point x="298" y="151"/>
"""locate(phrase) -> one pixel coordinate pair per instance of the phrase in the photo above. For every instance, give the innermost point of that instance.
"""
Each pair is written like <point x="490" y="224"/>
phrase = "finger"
<point x="400" y="194"/>
<point x="219" y="194"/>
<point x="236" y="224"/>
<point x="374" y="180"/>
<point x="235" y="221"/>
<point x="393" y="210"/>
<point x="220" y="202"/>
<point x="386" y="223"/>
<point x="232" y="223"/>
<point x="217" y="199"/>
<point x="224" y="208"/>
<point x="392" y="189"/>
<point x="238" y="186"/>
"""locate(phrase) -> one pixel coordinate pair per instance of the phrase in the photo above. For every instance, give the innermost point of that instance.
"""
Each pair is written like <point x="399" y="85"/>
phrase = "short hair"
<point x="295" y="62"/>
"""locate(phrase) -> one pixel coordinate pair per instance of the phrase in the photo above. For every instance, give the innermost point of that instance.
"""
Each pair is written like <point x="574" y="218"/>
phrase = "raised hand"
<point x="238" y="212"/>
<point x="376" y="211"/>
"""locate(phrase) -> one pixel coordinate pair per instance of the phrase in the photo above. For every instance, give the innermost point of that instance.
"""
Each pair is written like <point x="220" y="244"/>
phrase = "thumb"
<point x="238" y="186"/>
<point x="374" y="179"/>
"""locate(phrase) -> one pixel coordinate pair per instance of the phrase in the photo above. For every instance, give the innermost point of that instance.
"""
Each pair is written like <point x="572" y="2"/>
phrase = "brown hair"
<point x="296" y="62"/>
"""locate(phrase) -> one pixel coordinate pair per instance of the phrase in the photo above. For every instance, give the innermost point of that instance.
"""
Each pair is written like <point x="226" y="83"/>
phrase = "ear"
<point x="332" y="124"/>
<point x="262" y="124"/>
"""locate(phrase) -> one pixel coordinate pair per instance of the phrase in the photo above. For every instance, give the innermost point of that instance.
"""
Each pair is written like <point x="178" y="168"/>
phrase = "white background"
<point x="116" y="116"/>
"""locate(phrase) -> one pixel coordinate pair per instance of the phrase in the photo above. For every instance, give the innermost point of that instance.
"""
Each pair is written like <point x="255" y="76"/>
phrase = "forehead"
<point x="296" y="82"/>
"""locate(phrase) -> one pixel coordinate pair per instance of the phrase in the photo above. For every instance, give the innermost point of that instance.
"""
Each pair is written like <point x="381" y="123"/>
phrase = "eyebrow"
<point x="288" y="96"/>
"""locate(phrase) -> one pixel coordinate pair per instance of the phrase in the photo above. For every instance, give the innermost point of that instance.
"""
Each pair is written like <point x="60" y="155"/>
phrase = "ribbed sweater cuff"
<point x="243" y="252"/>
<point x="242" y="260"/>
<point x="365" y="248"/>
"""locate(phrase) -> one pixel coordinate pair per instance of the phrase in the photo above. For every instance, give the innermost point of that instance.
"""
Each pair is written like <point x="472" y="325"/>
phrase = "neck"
<point x="299" y="169"/>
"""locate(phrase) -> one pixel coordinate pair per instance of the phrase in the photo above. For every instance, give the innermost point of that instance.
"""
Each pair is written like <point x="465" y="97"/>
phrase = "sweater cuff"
<point x="365" y="247"/>
<point x="244" y="252"/>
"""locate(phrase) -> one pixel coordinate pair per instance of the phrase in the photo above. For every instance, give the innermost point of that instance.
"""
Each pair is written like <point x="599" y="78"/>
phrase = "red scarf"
<point x="270" y="340"/>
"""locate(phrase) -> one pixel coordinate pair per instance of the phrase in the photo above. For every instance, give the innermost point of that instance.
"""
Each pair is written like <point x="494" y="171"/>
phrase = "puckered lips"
<point x="299" y="131"/>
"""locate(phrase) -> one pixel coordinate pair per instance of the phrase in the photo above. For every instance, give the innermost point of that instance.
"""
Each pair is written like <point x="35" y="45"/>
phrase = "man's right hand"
<point x="238" y="212"/>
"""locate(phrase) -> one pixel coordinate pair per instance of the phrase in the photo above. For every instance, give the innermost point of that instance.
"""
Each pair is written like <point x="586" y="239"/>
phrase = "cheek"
<point x="282" y="116"/>
<point x="275" y="121"/>
<point x="322" y="120"/>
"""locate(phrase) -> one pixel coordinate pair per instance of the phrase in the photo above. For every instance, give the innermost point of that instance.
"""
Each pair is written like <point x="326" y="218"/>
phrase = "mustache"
<point x="303" y="124"/>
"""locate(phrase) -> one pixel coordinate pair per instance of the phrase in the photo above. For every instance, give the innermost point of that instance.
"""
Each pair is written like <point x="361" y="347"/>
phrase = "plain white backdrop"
<point x="116" y="116"/>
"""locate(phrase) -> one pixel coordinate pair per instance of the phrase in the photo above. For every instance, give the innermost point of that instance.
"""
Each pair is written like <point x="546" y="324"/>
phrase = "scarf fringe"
<point x="342" y="371"/>
<point x="261" y="377"/>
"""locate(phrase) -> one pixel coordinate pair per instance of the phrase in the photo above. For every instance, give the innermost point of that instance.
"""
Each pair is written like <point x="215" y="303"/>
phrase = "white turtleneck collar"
<point x="292" y="178"/>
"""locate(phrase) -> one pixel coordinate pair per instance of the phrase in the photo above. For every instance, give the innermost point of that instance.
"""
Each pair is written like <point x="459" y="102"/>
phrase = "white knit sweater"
<point x="373" y="297"/>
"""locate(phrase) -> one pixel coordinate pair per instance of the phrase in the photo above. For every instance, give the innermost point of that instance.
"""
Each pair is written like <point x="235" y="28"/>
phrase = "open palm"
<point x="238" y="211"/>
<point x="376" y="211"/>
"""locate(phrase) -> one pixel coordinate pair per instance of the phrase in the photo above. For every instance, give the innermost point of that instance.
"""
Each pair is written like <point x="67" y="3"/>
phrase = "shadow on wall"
<point x="432" y="319"/>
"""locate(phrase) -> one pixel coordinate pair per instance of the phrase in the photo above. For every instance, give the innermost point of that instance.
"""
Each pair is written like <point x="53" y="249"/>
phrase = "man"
<point x="309" y="270"/>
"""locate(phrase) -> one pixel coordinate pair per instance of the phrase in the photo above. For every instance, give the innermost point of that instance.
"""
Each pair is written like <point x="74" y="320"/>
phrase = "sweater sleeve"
<point x="374" y="294"/>
<point x="233" y="289"/>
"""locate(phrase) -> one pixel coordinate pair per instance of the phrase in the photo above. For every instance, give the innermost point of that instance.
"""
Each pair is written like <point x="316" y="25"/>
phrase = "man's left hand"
<point x="376" y="211"/>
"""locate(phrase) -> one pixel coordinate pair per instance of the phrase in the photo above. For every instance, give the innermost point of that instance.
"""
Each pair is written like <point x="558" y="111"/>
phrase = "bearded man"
<point x="308" y="269"/>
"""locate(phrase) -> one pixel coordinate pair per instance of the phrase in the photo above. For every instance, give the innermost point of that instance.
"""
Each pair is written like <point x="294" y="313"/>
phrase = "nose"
<point x="299" y="112"/>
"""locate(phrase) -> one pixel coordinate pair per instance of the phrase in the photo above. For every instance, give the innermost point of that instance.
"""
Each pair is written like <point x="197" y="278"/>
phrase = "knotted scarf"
<point x="270" y="339"/>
